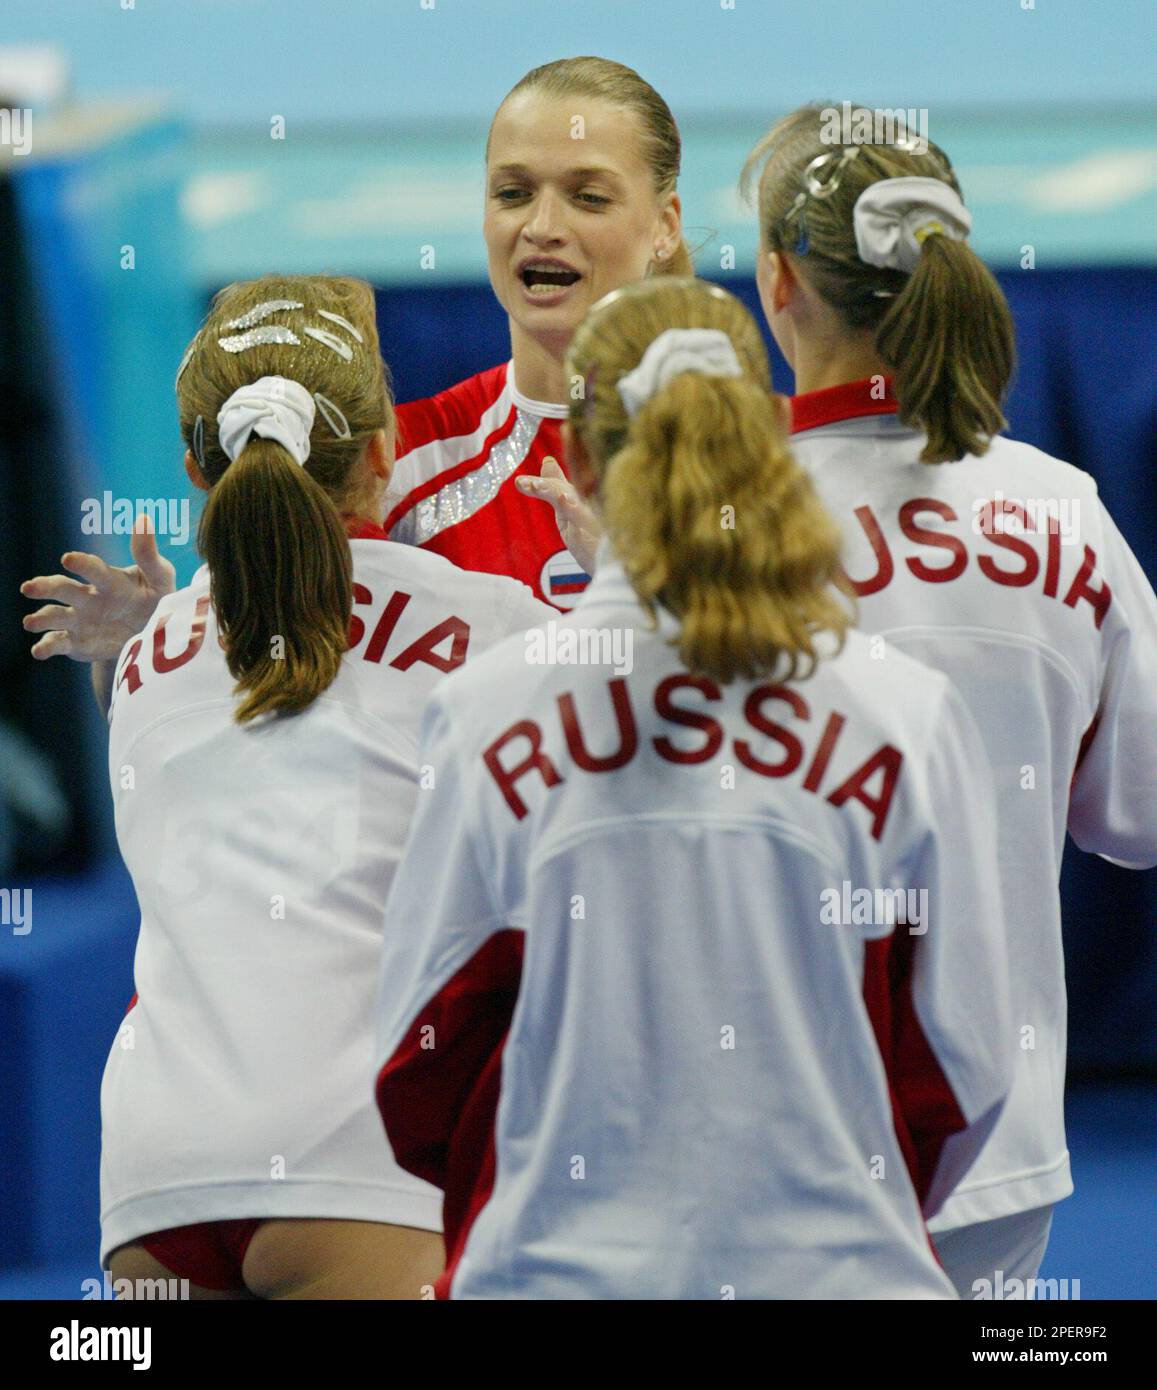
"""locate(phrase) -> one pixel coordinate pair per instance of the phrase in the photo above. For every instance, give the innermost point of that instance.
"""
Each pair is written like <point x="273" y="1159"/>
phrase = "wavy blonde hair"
<point x="706" y="507"/>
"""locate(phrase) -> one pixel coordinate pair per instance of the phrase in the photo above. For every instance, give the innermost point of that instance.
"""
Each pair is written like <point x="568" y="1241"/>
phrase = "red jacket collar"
<point x="359" y="529"/>
<point x="844" y="402"/>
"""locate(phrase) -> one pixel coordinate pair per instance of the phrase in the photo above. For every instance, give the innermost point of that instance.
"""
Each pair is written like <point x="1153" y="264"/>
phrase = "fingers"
<point x="54" y="644"/>
<point x="557" y="491"/>
<point x="51" y="618"/>
<point x="58" y="588"/>
<point x="577" y="524"/>
<point x="156" y="570"/>
<point x="90" y="567"/>
<point x="548" y="481"/>
<point x="555" y="487"/>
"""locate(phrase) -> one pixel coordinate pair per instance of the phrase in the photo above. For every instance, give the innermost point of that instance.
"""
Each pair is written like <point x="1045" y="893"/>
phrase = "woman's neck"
<point x="539" y="369"/>
<point x="820" y="364"/>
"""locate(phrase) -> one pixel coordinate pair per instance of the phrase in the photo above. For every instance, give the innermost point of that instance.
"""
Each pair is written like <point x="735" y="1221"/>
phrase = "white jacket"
<point x="694" y="1101"/>
<point x="1050" y="636"/>
<point x="240" y="1084"/>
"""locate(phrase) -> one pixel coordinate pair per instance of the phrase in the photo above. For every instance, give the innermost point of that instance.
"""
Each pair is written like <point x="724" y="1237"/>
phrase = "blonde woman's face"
<point x="571" y="211"/>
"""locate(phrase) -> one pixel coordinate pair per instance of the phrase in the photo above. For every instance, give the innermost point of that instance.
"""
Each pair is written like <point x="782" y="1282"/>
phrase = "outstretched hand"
<point x="91" y="621"/>
<point x="577" y="524"/>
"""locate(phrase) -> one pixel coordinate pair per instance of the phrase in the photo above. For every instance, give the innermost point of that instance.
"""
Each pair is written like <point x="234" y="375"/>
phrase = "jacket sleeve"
<point x="1113" y="805"/>
<point x="450" y="972"/>
<point x="950" y="1030"/>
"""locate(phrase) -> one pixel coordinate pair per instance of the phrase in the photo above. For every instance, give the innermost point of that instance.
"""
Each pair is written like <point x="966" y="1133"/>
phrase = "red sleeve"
<point x="924" y="1110"/>
<point x="438" y="1093"/>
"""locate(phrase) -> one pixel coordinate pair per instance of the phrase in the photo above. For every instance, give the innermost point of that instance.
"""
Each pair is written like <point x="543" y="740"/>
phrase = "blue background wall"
<point x="232" y="61"/>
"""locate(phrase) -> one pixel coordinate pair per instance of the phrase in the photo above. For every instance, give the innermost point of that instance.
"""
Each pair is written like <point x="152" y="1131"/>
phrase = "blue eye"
<point x="595" y="199"/>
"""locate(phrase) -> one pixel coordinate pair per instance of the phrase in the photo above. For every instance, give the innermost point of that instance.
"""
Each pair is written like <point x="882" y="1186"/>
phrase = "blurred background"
<point x="150" y="153"/>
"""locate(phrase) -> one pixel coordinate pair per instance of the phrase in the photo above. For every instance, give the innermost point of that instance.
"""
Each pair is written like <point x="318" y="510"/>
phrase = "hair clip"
<point x="199" y="441"/>
<point x="259" y="337"/>
<point x="813" y="184"/>
<point x="815" y="187"/>
<point x="331" y="341"/>
<point x="826" y="187"/>
<point x="188" y="357"/>
<point x="263" y="311"/>
<point x="345" y="323"/>
<point x="329" y="410"/>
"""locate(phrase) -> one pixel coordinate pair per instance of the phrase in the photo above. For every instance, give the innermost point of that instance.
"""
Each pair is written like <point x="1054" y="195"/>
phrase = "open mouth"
<point x="548" y="277"/>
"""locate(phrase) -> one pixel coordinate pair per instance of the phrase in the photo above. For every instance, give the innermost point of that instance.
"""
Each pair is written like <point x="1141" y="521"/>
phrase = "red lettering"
<point x="815" y="773"/>
<point x="922" y="536"/>
<point x="1080" y="589"/>
<point x="1017" y="543"/>
<point x="690" y="719"/>
<point x="884" y="567"/>
<point x="129" y="671"/>
<point x="1053" y="563"/>
<point x="535" y="760"/>
<point x="886" y="760"/>
<point x="1015" y="579"/>
<point x="163" y="663"/>
<point x="624" y="717"/>
<point x="385" y="628"/>
<point x="423" y="649"/>
<point x="793" y="749"/>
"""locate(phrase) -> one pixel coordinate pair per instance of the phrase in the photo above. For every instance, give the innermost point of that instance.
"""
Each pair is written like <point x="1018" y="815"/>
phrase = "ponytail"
<point x="948" y="337"/>
<point x="945" y="329"/>
<point x="714" y="520"/>
<point x="281" y="579"/>
<point x="273" y="530"/>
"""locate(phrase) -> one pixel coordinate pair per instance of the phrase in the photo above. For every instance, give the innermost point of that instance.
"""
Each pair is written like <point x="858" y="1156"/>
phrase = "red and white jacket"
<point x="1006" y="573"/>
<point x="458" y="454"/>
<point x="637" y="1019"/>
<point x="260" y="860"/>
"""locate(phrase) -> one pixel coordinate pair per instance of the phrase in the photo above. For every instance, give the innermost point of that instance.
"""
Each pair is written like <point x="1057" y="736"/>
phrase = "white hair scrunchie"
<point x="273" y="407"/>
<point x="891" y="214"/>
<point x="677" y="350"/>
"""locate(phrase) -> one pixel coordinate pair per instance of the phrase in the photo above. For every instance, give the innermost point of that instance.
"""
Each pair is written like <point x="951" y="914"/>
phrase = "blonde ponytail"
<point x="709" y="513"/>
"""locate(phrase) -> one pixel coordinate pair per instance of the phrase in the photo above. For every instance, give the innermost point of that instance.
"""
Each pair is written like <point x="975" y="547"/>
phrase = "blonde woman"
<point x="582" y="163"/>
<point x="582" y="160"/>
<point x="694" y="1099"/>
